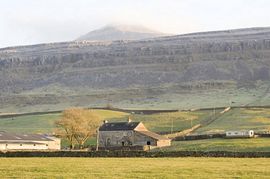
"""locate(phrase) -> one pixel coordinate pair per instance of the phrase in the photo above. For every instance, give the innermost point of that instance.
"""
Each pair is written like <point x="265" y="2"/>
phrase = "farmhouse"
<point x="12" y="141"/>
<point x="129" y="134"/>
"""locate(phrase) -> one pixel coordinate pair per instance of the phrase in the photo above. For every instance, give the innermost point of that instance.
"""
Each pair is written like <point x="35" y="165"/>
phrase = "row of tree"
<point x="77" y="125"/>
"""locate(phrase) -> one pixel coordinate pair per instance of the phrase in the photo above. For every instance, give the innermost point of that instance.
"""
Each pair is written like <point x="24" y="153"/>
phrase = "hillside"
<point x="196" y="70"/>
<point x="120" y="32"/>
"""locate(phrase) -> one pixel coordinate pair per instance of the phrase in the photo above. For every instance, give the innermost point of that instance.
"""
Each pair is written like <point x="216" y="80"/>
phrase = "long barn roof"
<point x="6" y="136"/>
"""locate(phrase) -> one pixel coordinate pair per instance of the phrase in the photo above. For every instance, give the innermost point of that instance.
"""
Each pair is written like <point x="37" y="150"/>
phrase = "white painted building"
<point x="12" y="141"/>
<point x="240" y="134"/>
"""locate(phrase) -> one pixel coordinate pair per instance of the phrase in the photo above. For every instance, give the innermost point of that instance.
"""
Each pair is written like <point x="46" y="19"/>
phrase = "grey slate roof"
<point x="6" y="136"/>
<point x="19" y="142"/>
<point x="119" y="126"/>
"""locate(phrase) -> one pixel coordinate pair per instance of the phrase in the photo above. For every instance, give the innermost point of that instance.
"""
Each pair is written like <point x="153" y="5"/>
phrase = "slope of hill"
<point x="185" y="71"/>
<point x="120" y="32"/>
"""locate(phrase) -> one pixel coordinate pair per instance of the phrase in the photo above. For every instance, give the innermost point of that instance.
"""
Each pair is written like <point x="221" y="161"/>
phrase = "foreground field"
<point x="239" y="145"/>
<point x="134" y="168"/>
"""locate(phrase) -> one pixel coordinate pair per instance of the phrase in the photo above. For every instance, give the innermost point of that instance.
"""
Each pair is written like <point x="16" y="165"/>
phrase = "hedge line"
<point x="135" y="154"/>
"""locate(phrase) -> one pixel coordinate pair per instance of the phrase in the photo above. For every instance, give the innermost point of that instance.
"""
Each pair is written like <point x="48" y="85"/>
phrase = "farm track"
<point x="213" y="117"/>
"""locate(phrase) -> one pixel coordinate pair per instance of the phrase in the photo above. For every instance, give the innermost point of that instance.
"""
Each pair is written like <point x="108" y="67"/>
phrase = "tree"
<point x="77" y="125"/>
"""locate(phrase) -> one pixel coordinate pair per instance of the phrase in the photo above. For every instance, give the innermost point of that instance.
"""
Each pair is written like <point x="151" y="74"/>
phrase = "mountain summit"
<point x="120" y="32"/>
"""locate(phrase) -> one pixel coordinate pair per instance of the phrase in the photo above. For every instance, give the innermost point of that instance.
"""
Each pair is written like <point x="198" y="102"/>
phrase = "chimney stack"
<point x="129" y="119"/>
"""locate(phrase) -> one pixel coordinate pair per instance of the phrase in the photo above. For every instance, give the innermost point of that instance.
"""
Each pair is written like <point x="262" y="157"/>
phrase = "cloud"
<point x="40" y="21"/>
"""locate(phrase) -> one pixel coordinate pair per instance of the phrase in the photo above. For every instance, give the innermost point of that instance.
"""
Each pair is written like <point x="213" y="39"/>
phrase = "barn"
<point x="14" y="141"/>
<point x="240" y="134"/>
<point x="129" y="134"/>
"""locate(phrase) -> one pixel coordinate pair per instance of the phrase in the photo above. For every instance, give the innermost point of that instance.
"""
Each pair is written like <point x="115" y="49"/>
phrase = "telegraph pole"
<point x="97" y="139"/>
<point x="172" y="126"/>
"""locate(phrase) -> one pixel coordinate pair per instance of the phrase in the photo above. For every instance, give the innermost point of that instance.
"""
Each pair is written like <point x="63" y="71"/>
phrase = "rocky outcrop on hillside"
<point x="239" y="57"/>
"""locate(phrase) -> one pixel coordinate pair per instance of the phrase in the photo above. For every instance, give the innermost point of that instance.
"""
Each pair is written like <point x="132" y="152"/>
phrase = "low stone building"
<point x="12" y="141"/>
<point x="129" y="134"/>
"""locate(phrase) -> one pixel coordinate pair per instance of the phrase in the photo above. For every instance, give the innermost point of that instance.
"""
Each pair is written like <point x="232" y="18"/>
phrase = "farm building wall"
<point x="140" y="127"/>
<point x="126" y="138"/>
<point x="31" y="145"/>
<point x="240" y="134"/>
<point x="163" y="143"/>
<point x="142" y="140"/>
<point x="55" y="144"/>
<point x="22" y="146"/>
<point x="115" y="138"/>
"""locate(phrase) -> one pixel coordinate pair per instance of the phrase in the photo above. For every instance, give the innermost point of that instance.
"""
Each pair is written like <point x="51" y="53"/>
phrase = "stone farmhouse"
<point x="12" y="141"/>
<point x="129" y="134"/>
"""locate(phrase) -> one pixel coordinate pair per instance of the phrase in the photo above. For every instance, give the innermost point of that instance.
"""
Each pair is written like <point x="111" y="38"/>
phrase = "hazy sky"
<point x="39" y="21"/>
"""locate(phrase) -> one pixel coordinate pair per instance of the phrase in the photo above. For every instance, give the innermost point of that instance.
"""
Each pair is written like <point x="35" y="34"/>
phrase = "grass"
<point x="45" y="123"/>
<point x="134" y="168"/>
<point x="167" y="96"/>
<point x="240" y="145"/>
<point x="175" y="121"/>
<point x="157" y="122"/>
<point x="257" y="119"/>
<point x="29" y="124"/>
<point x="236" y="119"/>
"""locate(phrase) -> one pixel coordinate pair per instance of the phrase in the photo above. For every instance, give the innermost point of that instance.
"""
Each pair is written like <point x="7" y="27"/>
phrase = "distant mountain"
<point x="208" y="69"/>
<point x="120" y="32"/>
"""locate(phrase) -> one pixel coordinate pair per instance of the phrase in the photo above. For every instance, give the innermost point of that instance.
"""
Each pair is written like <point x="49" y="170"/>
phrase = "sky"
<point x="25" y="22"/>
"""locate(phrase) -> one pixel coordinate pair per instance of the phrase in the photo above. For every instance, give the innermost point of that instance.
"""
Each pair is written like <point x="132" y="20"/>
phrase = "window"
<point x="34" y="144"/>
<point x="20" y="144"/>
<point x="123" y="143"/>
<point x="148" y="143"/>
<point x="108" y="142"/>
<point x="46" y="144"/>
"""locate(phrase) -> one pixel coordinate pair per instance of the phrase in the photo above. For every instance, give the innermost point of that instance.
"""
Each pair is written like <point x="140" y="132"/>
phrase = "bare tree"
<point x="77" y="125"/>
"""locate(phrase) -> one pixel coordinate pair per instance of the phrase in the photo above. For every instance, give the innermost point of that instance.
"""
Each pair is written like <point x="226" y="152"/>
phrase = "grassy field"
<point x="257" y="119"/>
<point x="236" y="119"/>
<point x="30" y="124"/>
<point x="175" y="121"/>
<point x="156" y="122"/>
<point x="167" y="96"/>
<point x="241" y="145"/>
<point x="134" y="168"/>
<point x="45" y="123"/>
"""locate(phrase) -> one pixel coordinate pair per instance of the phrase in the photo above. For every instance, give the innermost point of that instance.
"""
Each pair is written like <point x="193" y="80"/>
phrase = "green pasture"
<point x="140" y="168"/>
<point x="219" y="144"/>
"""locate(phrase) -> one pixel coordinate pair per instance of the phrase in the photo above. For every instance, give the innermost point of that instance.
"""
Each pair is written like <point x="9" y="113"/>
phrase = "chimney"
<point x="129" y="119"/>
<point x="105" y="121"/>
